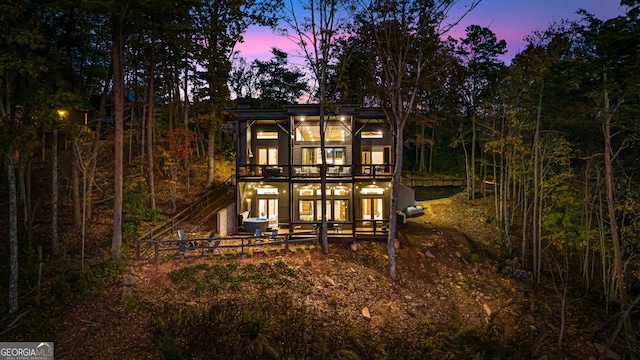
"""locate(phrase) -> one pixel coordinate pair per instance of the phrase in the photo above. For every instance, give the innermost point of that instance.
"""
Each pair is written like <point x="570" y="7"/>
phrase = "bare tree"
<point x="314" y="29"/>
<point x="405" y="36"/>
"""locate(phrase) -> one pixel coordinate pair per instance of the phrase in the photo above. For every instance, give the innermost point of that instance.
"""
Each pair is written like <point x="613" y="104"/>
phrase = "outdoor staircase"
<point x="196" y="215"/>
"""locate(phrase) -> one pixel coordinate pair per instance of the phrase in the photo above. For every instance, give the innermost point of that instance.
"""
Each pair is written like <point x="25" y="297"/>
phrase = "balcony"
<point x="286" y="172"/>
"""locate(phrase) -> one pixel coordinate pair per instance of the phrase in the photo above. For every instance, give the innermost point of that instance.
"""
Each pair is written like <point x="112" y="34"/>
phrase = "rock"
<point x="487" y="309"/>
<point x="329" y="280"/>
<point x="128" y="280"/>
<point x="365" y="312"/>
<point x="353" y="246"/>
<point x="429" y="254"/>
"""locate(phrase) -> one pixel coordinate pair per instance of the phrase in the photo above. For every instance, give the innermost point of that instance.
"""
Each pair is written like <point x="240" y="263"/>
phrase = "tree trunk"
<point x="149" y="132"/>
<point x="618" y="273"/>
<point x="13" y="234"/>
<point x="535" y="237"/>
<point x="117" y="58"/>
<point x="29" y="207"/>
<point x="75" y="179"/>
<point x="54" y="190"/>
<point x="211" y="148"/>
<point x="393" y="218"/>
<point x="324" y="237"/>
<point x="94" y="158"/>
<point x="474" y="137"/>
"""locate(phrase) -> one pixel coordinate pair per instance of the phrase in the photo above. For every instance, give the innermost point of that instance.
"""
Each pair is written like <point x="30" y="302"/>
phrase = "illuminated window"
<point x="267" y="190"/>
<point x="340" y="191"/>
<point x="372" y="190"/>
<point x="372" y="134"/>
<point x="267" y="135"/>
<point x="306" y="191"/>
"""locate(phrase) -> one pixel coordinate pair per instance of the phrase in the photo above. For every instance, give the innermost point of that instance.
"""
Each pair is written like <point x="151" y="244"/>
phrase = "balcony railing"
<point x="283" y="172"/>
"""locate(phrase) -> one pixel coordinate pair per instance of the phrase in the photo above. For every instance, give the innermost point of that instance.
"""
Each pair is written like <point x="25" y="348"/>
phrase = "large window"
<point x="267" y="156"/>
<point x="267" y="135"/>
<point x="374" y="155"/>
<point x="313" y="155"/>
<point x="310" y="204"/>
<point x="334" y="131"/>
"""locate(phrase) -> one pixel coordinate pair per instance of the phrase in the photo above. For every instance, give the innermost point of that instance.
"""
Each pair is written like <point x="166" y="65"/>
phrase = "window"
<point x="267" y="190"/>
<point x="306" y="191"/>
<point x="305" y="209"/>
<point x="334" y="155"/>
<point x="334" y="131"/>
<point x="372" y="190"/>
<point x="372" y="134"/>
<point x="267" y="135"/>
<point x="340" y="191"/>
<point x="340" y="210"/>
<point x="267" y="156"/>
<point x="308" y="132"/>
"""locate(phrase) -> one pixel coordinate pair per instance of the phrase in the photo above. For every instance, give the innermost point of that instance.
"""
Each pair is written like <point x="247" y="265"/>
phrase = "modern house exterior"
<point x="278" y="168"/>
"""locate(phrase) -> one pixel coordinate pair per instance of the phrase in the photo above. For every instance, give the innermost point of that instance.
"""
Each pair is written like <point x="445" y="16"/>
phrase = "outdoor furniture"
<point x="251" y="224"/>
<point x="274" y="234"/>
<point x="414" y="210"/>
<point x="182" y="243"/>
<point x="258" y="235"/>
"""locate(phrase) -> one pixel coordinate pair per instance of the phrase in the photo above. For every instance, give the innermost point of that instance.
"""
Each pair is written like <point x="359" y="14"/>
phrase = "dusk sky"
<point x="510" y="20"/>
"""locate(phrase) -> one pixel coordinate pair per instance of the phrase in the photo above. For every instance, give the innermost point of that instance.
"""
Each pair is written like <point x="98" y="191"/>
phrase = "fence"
<point x="227" y="245"/>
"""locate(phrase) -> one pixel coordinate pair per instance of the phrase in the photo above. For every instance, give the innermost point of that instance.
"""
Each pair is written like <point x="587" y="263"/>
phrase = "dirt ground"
<point x="448" y="277"/>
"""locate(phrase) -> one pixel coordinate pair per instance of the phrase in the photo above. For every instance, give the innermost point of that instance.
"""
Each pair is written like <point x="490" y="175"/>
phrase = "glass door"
<point x="372" y="208"/>
<point x="268" y="208"/>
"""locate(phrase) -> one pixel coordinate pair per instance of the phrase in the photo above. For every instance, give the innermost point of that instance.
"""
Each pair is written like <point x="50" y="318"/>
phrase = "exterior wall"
<point x="357" y="199"/>
<point x="227" y="221"/>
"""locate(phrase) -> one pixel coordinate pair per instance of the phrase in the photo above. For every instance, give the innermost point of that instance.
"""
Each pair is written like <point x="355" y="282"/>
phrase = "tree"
<point x="614" y="70"/>
<point x="219" y="26"/>
<point x="315" y="34"/>
<point x="119" y="11"/>
<point x="276" y="82"/>
<point x="479" y="51"/>
<point x="404" y="35"/>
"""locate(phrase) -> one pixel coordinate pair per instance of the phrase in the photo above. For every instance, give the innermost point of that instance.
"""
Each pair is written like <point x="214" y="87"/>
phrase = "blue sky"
<point x="510" y="20"/>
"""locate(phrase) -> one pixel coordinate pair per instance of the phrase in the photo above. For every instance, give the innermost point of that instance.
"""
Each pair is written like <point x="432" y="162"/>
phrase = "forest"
<point x="112" y="117"/>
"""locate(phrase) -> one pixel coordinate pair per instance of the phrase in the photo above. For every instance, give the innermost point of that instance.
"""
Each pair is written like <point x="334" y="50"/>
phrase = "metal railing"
<point x="238" y="245"/>
<point x="295" y="171"/>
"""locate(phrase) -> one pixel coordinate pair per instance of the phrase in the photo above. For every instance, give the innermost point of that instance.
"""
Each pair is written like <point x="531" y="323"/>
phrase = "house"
<point x="278" y="168"/>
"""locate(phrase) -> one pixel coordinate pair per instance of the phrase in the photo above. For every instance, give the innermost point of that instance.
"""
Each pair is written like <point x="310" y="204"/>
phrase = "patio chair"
<point x="258" y="235"/>
<point x="213" y="245"/>
<point x="274" y="234"/>
<point x="181" y="243"/>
